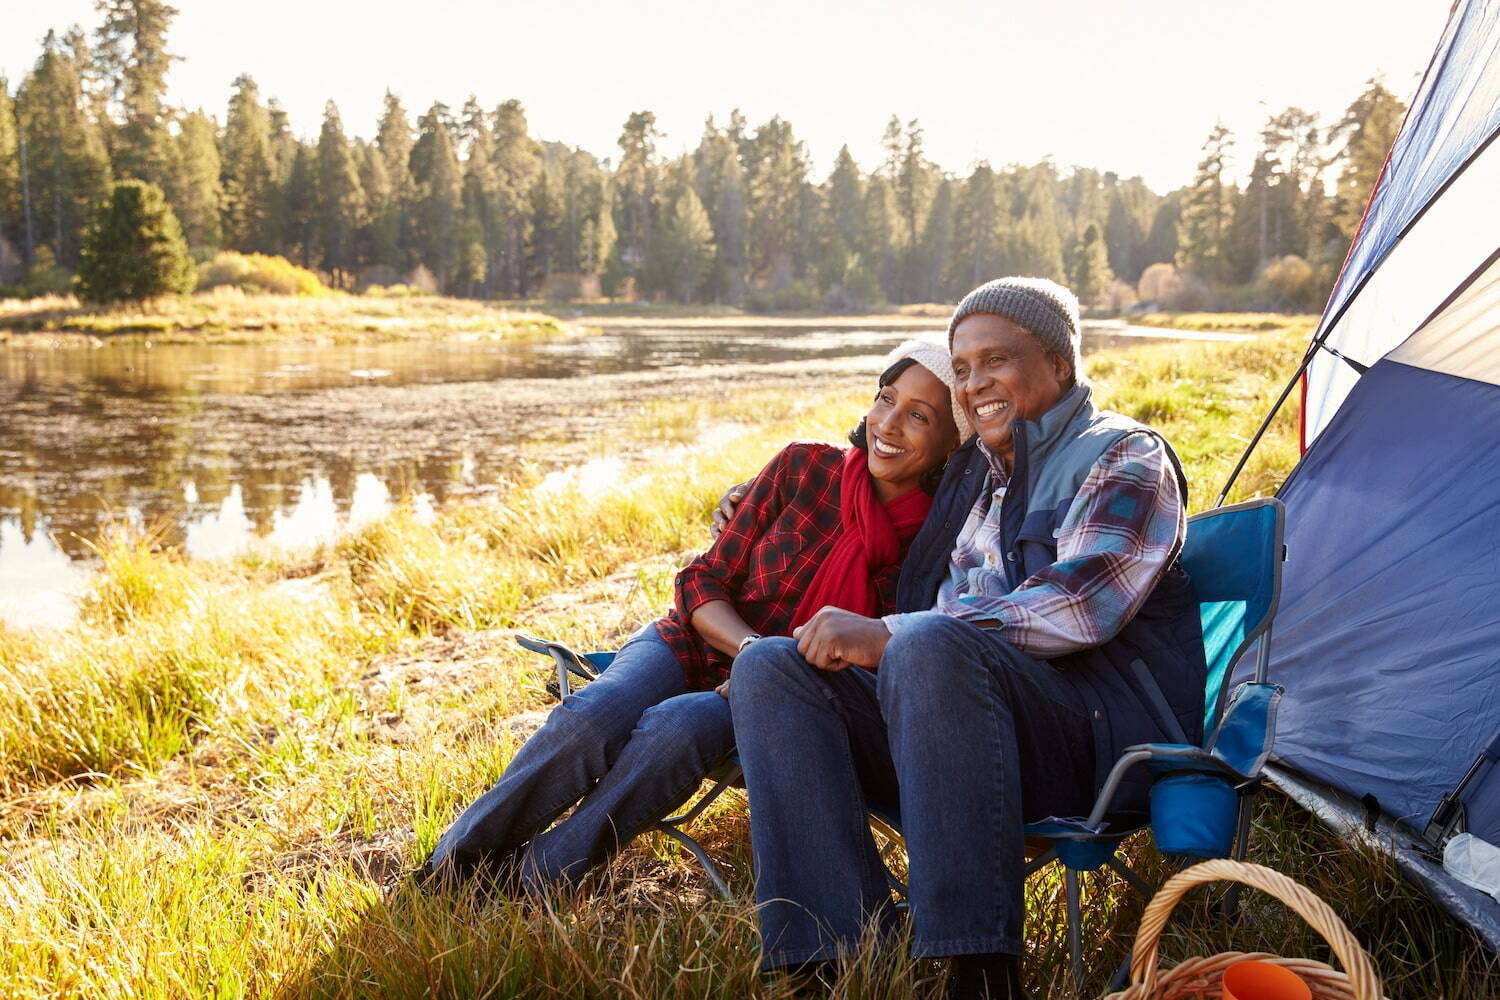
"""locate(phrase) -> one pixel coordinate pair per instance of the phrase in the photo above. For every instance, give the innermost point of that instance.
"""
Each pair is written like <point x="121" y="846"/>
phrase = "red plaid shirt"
<point x="766" y="557"/>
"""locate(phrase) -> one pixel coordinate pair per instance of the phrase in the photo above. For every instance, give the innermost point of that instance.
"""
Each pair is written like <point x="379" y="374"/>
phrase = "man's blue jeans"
<point x="632" y="745"/>
<point x="967" y="735"/>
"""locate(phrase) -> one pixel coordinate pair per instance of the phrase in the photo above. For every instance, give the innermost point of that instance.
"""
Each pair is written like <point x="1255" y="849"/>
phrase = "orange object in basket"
<point x="1263" y="981"/>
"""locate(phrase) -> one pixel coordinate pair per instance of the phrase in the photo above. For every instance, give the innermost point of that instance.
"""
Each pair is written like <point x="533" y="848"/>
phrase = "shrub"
<point x="1287" y="283"/>
<point x="134" y="248"/>
<point x="256" y="272"/>
<point x="45" y="277"/>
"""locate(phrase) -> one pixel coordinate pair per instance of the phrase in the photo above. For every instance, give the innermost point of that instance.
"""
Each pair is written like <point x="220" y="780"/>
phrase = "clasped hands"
<point x="833" y="639"/>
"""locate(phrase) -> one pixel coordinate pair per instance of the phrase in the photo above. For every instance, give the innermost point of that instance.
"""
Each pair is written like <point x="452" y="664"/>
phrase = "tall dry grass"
<point x="210" y="786"/>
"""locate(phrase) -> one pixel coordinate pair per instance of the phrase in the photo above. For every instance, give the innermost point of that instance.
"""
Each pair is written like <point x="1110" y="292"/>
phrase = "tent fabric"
<point x="1388" y="636"/>
<point x="1461" y="341"/>
<point x="1348" y="818"/>
<point x="1453" y="238"/>
<point x="1454" y="116"/>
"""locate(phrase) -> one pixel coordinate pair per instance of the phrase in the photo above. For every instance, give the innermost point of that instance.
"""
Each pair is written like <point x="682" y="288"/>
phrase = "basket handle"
<point x="1146" y="953"/>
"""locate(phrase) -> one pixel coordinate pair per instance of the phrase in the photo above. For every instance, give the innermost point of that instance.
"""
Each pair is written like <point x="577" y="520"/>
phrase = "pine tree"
<point x="380" y="240"/>
<point x="1131" y="209"/>
<point x="394" y="139"/>
<point x="1091" y="274"/>
<point x="132" y="53"/>
<point x="134" y="249"/>
<point x="438" y="209"/>
<point x="196" y="192"/>
<point x="545" y="251"/>
<point x="516" y="159"/>
<point x="1207" y="205"/>
<point x="296" y="213"/>
<point x="682" y="251"/>
<point x="912" y="184"/>
<point x="635" y="190"/>
<point x="1366" y="133"/>
<point x="11" y="223"/>
<point x="67" y="167"/>
<point x="981" y="234"/>
<point x="776" y="180"/>
<point x="1038" y="247"/>
<point x="936" y="247"/>
<point x="341" y="199"/>
<point x="877" y="240"/>
<point x="721" y="188"/>
<point x="846" y="198"/>
<point x="248" y="171"/>
<point x="1161" y="239"/>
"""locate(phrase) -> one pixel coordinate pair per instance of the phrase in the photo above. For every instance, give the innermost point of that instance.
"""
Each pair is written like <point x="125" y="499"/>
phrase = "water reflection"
<point x="216" y="446"/>
<point x="39" y="585"/>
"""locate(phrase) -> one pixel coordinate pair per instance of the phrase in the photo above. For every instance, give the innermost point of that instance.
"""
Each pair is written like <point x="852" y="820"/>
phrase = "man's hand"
<point x="727" y="503"/>
<point x="723" y="689"/>
<point x="834" y="639"/>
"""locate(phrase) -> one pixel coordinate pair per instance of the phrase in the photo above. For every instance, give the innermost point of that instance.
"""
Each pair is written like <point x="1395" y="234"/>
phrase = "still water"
<point x="220" y="446"/>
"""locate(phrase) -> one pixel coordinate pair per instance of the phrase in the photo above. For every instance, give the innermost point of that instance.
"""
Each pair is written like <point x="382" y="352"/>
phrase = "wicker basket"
<point x="1201" y="978"/>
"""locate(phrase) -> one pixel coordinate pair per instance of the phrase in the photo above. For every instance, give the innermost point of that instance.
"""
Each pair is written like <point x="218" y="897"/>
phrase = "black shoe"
<point x="994" y="976"/>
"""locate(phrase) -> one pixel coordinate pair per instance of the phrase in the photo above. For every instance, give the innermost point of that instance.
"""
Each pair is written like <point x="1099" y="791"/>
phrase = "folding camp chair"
<point x="1200" y="800"/>
<point x="587" y="666"/>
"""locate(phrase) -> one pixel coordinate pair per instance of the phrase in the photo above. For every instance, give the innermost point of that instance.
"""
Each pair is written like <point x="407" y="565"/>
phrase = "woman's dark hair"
<point x="858" y="438"/>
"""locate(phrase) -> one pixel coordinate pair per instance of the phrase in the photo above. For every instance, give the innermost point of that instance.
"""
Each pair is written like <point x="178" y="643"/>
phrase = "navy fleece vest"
<point x="1053" y="456"/>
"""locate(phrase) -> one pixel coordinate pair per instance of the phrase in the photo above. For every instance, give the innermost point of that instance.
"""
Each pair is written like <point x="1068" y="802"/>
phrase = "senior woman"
<point x="821" y="525"/>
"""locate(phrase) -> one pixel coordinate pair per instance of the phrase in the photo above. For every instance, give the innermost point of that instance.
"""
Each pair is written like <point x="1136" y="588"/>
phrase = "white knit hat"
<point x="934" y="356"/>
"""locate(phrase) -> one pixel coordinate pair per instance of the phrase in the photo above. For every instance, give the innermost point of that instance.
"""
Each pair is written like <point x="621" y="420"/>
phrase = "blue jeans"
<point x="631" y="745"/>
<point x="965" y="734"/>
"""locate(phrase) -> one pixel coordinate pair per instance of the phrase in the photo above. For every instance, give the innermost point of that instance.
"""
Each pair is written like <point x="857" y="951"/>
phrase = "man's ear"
<point x="1062" y="369"/>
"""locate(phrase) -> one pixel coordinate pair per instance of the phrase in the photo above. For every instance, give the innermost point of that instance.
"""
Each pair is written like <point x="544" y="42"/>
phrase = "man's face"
<point x="1004" y="374"/>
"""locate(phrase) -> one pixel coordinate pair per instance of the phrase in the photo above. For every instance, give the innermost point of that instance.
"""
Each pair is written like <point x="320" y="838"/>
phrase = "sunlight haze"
<point x="1132" y="88"/>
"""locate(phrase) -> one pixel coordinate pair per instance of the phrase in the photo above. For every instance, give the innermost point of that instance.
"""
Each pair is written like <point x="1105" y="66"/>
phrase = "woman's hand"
<point x="834" y="639"/>
<point x="725" y="510"/>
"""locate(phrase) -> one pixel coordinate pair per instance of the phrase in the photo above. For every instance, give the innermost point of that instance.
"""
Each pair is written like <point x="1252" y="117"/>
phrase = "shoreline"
<point x="236" y="318"/>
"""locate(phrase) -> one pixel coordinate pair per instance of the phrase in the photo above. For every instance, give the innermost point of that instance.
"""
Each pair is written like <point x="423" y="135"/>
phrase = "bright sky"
<point x="1131" y="87"/>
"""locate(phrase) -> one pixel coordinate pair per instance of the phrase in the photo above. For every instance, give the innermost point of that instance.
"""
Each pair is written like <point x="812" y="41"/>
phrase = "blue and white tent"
<point x="1388" y="637"/>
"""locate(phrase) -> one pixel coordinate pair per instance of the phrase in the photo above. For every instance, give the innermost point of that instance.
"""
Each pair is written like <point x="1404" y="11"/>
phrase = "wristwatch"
<point x="746" y="641"/>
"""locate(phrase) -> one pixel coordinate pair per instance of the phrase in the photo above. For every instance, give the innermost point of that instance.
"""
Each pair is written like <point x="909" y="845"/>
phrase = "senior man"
<point x="1061" y="629"/>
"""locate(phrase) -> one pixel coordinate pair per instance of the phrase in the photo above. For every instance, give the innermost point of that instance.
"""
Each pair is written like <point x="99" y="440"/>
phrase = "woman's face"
<point x="909" y="430"/>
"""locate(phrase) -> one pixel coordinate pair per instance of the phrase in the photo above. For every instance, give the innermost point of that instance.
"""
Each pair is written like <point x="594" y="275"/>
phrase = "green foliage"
<point x="132" y="58"/>
<point x="194" y="188"/>
<point x="1366" y="132"/>
<point x="134" y="248"/>
<point x="66" y="160"/>
<point x="1206" y="209"/>
<point x="260" y="273"/>
<point x="45" y="277"/>
<point x="490" y="211"/>
<point x="341" y="206"/>
<point x="1091" y="274"/>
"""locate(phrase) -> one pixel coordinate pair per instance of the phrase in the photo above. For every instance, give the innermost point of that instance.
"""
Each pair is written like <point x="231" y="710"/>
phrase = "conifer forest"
<point x="464" y="200"/>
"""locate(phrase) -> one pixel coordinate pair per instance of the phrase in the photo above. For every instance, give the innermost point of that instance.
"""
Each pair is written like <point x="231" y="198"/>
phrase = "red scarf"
<point x="871" y="540"/>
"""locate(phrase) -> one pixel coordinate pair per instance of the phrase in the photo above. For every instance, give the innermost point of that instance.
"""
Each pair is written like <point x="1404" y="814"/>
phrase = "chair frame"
<point x="586" y="666"/>
<point x="570" y="664"/>
<point x="1139" y="755"/>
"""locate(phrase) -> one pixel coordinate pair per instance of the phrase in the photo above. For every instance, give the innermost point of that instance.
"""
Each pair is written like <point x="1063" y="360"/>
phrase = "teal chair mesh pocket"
<point x="1193" y="814"/>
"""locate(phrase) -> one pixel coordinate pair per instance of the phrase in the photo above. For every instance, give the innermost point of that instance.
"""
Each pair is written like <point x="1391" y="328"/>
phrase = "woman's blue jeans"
<point x="631" y="745"/>
<point x="969" y="736"/>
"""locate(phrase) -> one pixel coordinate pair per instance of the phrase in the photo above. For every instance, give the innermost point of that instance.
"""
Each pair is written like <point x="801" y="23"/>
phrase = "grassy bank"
<point x="1302" y="323"/>
<point x="231" y="316"/>
<point x="207" y="785"/>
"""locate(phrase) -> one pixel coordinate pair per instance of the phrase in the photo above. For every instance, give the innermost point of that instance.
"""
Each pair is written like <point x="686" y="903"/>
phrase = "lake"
<point x="217" y="447"/>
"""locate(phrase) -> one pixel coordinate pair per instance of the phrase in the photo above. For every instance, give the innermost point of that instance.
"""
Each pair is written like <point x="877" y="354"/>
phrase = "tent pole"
<point x="1266" y="423"/>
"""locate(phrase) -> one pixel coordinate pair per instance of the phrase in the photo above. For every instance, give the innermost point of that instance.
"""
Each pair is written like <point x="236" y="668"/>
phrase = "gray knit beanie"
<point x="934" y="357"/>
<point x="1047" y="310"/>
